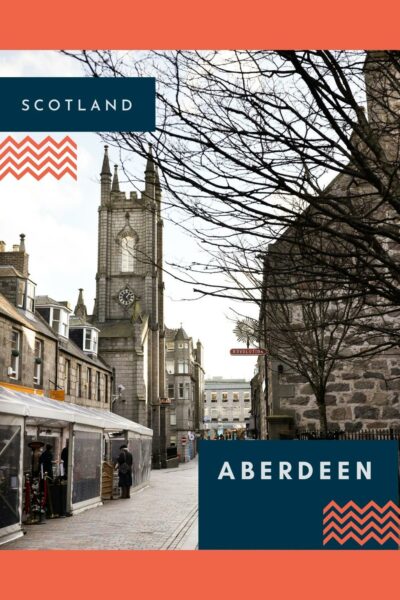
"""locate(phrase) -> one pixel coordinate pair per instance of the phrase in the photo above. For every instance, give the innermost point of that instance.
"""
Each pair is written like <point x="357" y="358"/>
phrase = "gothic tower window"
<point x="127" y="254"/>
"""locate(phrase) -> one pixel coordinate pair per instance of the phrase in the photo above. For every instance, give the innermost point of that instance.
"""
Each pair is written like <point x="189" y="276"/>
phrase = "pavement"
<point x="160" y="516"/>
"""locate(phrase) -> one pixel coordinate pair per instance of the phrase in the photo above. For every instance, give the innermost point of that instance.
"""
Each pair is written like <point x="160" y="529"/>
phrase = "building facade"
<point x="129" y="306"/>
<point x="185" y="381"/>
<point x="227" y="408"/>
<point x="38" y="350"/>
<point x="362" y="393"/>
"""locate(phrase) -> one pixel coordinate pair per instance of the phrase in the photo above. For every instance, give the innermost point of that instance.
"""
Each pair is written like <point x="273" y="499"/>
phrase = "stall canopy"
<point x="40" y="409"/>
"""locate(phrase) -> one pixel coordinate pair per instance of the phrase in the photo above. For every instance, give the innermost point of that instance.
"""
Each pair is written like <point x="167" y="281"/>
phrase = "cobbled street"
<point x="161" y="516"/>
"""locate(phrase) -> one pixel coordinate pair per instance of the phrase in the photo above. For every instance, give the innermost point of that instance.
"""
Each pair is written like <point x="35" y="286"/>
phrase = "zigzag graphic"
<point x="361" y="541"/>
<point x="38" y="155"/>
<point x="361" y="509"/>
<point x="362" y="530"/>
<point x="352" y="515"/>
<point x="38" y="145"/>
<point x="38" y="159"/>
<point x="388" y="516"/>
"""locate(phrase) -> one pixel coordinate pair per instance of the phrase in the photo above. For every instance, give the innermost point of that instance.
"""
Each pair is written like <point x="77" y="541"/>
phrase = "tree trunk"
<point x="322" y="418"/>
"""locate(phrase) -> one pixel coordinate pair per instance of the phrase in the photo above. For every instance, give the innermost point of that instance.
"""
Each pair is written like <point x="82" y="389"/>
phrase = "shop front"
<point x="52" y="456"/>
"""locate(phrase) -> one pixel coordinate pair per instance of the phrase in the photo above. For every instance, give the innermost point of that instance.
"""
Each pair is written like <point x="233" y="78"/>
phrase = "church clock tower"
<point x="129" y="307"/>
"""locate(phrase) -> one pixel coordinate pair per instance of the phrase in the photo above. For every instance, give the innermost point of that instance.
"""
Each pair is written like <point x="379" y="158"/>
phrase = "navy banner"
<point x="74" y="104"/>
<point x="298" y="495"/>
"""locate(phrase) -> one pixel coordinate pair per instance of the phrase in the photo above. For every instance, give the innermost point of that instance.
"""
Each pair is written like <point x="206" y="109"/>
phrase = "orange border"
<point x="210" y="24"/>
<point x="165" y="24"/>
<point x="164" y="575"/>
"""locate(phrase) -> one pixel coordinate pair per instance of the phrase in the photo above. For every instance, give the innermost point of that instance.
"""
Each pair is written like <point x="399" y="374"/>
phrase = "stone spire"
<point x="150" y="171"/>
<point x="80" y="308"/>
<point x="105" y="179"/>
<point x="105" y="169"/>
<point x="150" y="176"/>
<point x="115" y="181"/>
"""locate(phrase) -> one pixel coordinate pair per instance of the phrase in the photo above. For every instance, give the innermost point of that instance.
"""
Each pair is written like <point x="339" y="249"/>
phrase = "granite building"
<point x="129" y="307"/>
<point x="185" y="378"/>
<point x="37" y="349"/>
<point x="227" y="408"/>
<point x="361" y="392"/>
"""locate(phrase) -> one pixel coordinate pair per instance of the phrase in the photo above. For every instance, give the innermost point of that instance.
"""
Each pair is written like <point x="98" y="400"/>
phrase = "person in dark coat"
<point x="125" y="460"/>
<point x="64" y="458"/>
<point x="46" y="459"/>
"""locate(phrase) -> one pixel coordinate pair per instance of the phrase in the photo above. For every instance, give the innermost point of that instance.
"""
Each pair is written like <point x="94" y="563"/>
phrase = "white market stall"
<point x="90" y="432"/>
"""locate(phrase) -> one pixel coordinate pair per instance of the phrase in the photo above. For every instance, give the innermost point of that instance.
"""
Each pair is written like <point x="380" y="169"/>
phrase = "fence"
<point x="367" y="434"/>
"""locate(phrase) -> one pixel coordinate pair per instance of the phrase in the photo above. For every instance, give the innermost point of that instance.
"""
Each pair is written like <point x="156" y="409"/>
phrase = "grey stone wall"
<point x="361" y="394"/>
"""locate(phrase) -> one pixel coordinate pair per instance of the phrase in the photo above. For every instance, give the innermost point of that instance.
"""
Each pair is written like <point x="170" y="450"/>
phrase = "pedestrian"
<point x="125" y="460"/>
<point x="46" y="459"/>
<point x="64" y="458"/>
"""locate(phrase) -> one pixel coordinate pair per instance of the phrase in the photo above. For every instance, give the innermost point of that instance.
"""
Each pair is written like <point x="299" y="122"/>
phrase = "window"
<point x="170" y="345"/>
<point x="183" y="366"/>
<point x="59" y="321"/>
<point x="106" y="389"/>
<point x="224" y="396"/>
<point x="236" y="414"/>
<point x="79" y="381"/>
<point x="67" y="377"/>
<point x="89" y="376"/>
<point x="214" y="414"/>
<point x="15" y="353"/>
<point x="181" y="390"/>
<point x="213" y="396"/>
<point x="30" y="296"/>
<point x="98" y="386"/>
<point x="90" y="340"/>
<point x="172" y="419"/>
<point x="127" y="253"/>
<point x="38" y="366"/>
<point x="235" y="396"/>
<point x="20" y="293"/>
<point x="171" y="390"/>
<point x="170" y="367"/>
<point x="226" y="414"/>
<point x="246" y="396"/>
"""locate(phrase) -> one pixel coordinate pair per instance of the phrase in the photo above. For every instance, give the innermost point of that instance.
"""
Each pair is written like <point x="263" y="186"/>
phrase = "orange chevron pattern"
<point x="344" y="523"/>
<point x="38" y="159"/>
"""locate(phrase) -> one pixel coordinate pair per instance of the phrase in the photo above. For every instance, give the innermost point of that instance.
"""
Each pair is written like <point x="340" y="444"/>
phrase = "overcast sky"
<point x="59" y="219"/>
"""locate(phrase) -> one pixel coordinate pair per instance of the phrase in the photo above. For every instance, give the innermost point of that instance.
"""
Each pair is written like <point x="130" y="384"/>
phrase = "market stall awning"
<point x="42" y="410"/>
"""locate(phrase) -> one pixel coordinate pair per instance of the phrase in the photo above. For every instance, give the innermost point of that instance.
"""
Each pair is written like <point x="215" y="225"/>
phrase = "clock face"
<point x="126" y="297"/>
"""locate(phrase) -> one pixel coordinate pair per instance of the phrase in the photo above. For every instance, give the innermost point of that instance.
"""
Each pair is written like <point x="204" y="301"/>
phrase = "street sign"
<point x="248" y="352"/>
<point x="165" y="400"/>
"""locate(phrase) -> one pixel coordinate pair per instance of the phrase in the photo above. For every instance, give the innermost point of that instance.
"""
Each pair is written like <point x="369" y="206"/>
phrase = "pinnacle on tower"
<point x="157" y="178"/>
<point x="80" y="308"/>
<point x="115" y="181"/>
<point x="105" y="169"/>
<point x="150" y="167"/>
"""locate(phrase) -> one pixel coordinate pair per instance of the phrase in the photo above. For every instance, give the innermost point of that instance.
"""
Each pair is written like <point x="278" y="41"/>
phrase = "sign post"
<point x="248" y="352"/>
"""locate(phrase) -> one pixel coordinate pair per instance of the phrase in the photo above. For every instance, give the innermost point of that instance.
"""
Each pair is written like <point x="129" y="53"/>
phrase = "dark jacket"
<point x="46" y="459"/>
<point x="125" y="478"/>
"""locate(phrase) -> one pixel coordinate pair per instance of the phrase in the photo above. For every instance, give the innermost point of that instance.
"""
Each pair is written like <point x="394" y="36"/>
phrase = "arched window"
<point x="127" y="253"/>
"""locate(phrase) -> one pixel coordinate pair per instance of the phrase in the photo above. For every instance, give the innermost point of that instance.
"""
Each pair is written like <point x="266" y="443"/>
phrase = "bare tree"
<point x="308" y="321"/>
<point x="252" y="143"/>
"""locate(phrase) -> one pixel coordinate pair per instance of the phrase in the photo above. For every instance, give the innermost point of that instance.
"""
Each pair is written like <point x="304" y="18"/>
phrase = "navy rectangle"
<point x="21" y="92"/>
<point x="287" y="514"/>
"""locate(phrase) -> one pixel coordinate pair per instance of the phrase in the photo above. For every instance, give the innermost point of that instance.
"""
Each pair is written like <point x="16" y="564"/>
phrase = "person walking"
<point x="125" y="461"/>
